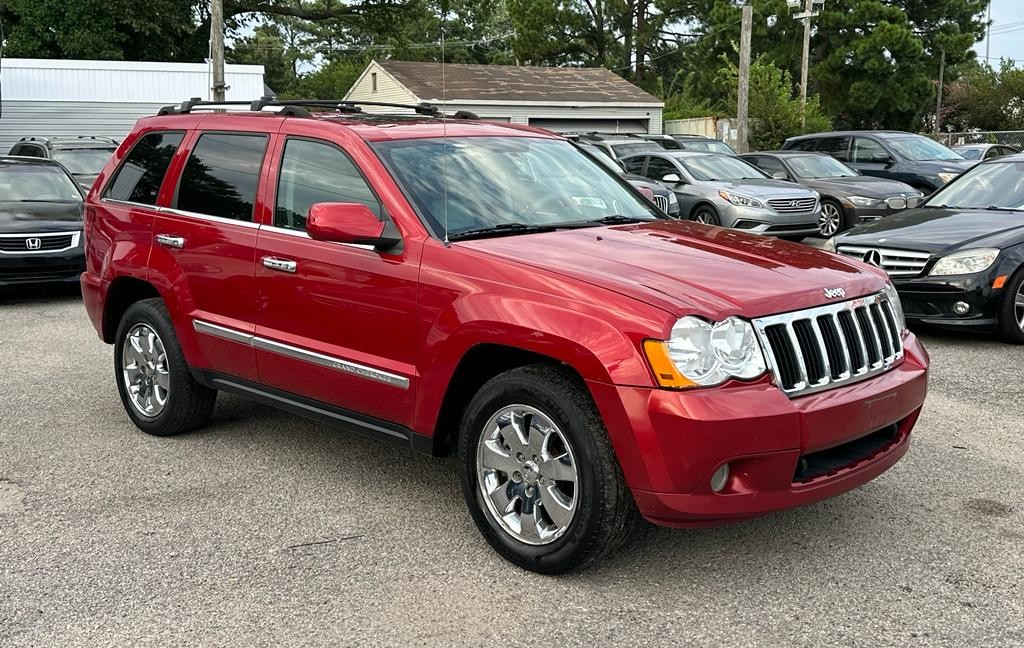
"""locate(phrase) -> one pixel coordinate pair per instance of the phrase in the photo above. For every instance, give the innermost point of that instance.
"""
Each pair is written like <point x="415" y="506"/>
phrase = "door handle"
<point x="170" y="241"/>
<point x="274" y="263"/>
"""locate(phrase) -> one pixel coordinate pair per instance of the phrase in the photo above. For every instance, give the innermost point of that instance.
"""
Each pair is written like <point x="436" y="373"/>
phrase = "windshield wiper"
<point x="502" y="229"/>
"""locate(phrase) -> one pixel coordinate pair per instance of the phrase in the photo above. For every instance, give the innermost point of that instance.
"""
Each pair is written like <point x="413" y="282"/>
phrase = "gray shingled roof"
<point x="515" y="83"/>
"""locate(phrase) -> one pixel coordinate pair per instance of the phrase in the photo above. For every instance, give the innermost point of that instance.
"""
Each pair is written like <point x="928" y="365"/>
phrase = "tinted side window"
<point x="658" y="168"/>
<point x="837" y="147"/>
<point x="316" y="172"/>
<point x="221" y="175"/>
<point x="770" y="165"/>
<point x="868" y="150"/>
<point x="803" y="145"/>
<point x="634" y="165"/>
<point x="140" y="176"/>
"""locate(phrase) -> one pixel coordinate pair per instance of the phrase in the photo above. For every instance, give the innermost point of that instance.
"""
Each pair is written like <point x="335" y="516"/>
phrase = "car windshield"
<point x="996" y="185"/>
<point x="83" y="161"/>
<point x="719" y="167"/>
<point x="707" y="146"/>
<point x="921" y="149"/>
<point x="969" y="153"/>
<point x="496" y="182"/>
<point x="36" y="183"/>
<point x="819" y="166"/>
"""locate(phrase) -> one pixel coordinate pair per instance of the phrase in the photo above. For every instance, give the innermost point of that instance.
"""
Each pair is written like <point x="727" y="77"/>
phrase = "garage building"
<point x="560" y="99"/>
<point x="53" y="97"/>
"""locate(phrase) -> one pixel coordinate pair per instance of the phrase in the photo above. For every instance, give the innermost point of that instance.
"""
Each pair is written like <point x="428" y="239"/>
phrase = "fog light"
<point x="961" y="308"/>
<point x="720" y="477"/>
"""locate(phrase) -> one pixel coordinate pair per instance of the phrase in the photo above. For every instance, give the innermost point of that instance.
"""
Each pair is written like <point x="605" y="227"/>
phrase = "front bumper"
<point x="930" y="300"/>
<point x="763" y="221"/>
<point x="670" y="443"/>
<point x="35" y="269"/>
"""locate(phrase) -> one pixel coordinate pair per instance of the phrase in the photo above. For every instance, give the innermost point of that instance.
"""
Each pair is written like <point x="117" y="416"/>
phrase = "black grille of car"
<point x="832" y="345"/>
<point x="827" y="462"/>
<point x="36" y="242"/>
<point x="792" y="205"/>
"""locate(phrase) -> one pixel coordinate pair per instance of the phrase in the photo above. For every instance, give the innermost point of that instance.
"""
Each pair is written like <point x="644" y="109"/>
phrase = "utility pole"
<point x="806" y="15"/>
<point x="938" y="101"/>
<point x="743" y="127"/>
<point x="988" y="29"/>
<point x="217" y="48"/>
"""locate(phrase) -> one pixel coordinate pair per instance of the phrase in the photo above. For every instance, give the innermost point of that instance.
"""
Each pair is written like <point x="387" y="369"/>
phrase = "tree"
<point x="985" y="98"/>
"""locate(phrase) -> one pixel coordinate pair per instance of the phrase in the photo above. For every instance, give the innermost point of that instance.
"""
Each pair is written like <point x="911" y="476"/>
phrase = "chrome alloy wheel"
<point x="144" y="370"/>
<point x="527" y="474"/>
<point x="829" y="220"/>
<point x="705" y="217"/>
<point x="1018" y="306"/>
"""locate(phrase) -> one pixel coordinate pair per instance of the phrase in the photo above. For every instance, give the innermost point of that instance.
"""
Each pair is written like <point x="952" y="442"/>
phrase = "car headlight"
<point x="946" y="177"/>
<point x="672" y="198"/>
<point x="741" y="201"/>
<point x="830" y="244"/>
<point x="700" y="353"/>
<point x="897" y="307"/>
<point x="966" y="262"/>
<point x="862" y="201"/>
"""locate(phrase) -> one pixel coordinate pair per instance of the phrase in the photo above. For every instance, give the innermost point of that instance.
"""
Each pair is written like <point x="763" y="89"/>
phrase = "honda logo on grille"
<point x="873" y="257"/>
<point x="33" y="243"/>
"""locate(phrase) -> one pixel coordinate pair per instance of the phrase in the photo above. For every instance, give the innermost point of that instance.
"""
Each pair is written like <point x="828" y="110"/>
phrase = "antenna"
<point x="444" y="130"/>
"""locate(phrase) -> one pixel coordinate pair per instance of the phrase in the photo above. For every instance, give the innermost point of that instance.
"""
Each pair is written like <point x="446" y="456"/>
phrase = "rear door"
<point x="837" y="147"/>
<point x="205" y="242"/>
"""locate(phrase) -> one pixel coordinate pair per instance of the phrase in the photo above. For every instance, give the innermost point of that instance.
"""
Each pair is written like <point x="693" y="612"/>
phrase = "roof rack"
<point x="298" y="107"/>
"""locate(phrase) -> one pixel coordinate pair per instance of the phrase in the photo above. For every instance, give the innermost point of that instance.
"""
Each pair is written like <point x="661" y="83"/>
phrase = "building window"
<point x="373" y="82"/>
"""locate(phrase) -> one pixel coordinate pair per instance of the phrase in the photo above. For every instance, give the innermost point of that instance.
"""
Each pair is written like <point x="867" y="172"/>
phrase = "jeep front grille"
<point x="898" y="263"/>
<point x="829" y="346"/>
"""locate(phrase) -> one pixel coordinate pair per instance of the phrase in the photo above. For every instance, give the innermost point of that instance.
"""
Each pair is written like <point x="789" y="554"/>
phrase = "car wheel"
<point x="1011" y="311"/>
<point x="707" y="215"/>
<point x="832" y="220"/>
<point x="153" y="379"/>
<point x="539" y="474"/>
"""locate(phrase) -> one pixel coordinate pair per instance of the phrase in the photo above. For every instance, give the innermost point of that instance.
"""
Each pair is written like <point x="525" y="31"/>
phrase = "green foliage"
<point x="774" y="111"/>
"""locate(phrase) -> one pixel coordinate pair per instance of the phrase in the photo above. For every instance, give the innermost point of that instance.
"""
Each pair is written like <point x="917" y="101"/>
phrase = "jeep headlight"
<point x="966" y="262"/>
<point x="897" y="307"/>
<point x="700" y="353"/>
<point x="740" y="200"/>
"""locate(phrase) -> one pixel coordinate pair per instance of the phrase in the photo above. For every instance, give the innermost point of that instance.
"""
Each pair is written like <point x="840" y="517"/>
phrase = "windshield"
<point x="496" y="181"/>
<point x="819" y="166"/>
<point x="969" y="153"/>
<point x="83" y="161"/>
<point x="921" y="149"/>
<point x="707" y="146"/>
<point x="31" y="183"/>
<point x="719" y="167"/>
<point x="996" y="185"/>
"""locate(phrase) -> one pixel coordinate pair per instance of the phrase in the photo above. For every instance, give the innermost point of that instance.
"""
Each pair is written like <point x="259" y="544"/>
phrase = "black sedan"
<point x="847" y="197"/>
<point x="958" y="260"/>
<point x="40" y="223"/>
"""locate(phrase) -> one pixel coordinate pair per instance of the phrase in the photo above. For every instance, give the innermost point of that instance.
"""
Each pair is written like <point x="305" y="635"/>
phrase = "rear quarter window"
<point x="142" y="172"/>
<point x="222" y="174"/>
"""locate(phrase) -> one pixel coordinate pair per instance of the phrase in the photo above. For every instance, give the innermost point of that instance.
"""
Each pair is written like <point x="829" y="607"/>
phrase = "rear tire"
<point x="157" y="389"/>
<point x="556" y="453"/>
<point x="1011" y="310"/>
<point x="705" y="214"/>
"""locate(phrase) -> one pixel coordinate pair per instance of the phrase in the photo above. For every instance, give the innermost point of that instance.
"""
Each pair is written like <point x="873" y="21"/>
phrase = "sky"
<point x="1007" y="32"/>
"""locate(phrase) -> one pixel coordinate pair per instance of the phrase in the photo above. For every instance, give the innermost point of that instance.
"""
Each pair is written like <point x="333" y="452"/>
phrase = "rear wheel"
<point x="832" y="219"/>
<point x="1011" y="311"/>
<point x="153" y="379"/>
<point x="539" y="474"/>
<point x="706" y="214"/>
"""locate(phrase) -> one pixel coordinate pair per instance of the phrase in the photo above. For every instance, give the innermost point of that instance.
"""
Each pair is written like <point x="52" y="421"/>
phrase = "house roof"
<point x="465" y="82"/>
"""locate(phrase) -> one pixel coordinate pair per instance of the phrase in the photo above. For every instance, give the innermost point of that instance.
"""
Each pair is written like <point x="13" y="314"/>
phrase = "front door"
<point x="872" y="159"/>
<point x="335" y="323"/>
<point x="204" y="244"/>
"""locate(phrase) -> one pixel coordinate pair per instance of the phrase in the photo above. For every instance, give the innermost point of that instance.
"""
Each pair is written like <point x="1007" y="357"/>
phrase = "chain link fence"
<point x="1011" y="138"/>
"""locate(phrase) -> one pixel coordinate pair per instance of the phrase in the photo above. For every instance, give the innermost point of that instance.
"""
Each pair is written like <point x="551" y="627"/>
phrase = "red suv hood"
<point x="687" y="268"/>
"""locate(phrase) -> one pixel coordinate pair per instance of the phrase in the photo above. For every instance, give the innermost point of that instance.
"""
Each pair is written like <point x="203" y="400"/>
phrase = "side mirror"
<point x="882" y="158"/>
<point x="672" y="178"/>
<point x="780" y="175"/>
<point x="350" y="223"/>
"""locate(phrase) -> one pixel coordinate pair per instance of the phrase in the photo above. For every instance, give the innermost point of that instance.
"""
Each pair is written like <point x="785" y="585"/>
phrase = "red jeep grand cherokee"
<point x="588" y="359"/>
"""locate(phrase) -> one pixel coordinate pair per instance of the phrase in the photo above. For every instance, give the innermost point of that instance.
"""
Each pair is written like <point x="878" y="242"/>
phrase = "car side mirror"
<point x="672" y="178"/>
<point x="350" y="223"/>
<point x="780" y="175"/>
<point x="882" y="158"/>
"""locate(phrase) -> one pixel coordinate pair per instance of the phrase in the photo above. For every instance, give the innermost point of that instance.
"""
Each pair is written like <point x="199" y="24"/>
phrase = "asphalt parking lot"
<point x="267" y="529"/>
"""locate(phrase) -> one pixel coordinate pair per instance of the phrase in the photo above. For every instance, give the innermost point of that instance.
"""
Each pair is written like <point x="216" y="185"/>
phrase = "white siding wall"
<point x="388" y="89"/>
<point x="69" y="118"/>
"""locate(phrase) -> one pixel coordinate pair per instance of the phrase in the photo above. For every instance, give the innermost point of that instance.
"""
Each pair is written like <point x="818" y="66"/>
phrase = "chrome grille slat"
<point x="792" y="205"/>
<point x="661" y="202"/>
<point x="797" y="345"/>
<point x="15" y="244"/>
<point x="898" y="263"/>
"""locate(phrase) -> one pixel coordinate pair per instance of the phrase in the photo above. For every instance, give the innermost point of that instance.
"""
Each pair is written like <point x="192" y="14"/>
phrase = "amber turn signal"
<point x="999" y="282"/>
<point x="664" y="369"/>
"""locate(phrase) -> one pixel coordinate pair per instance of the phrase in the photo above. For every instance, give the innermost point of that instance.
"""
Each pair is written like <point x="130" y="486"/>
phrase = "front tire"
<point x="539" y="474"/>
<point x="705" y="214"/>
<point x="832" y="219"/>
<point x="158" y="392"/>
<point x="1011" y="311"/>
